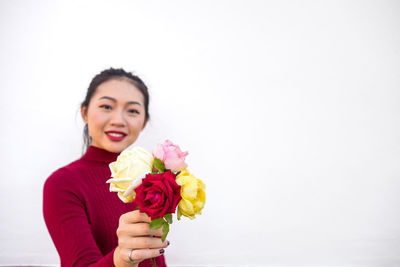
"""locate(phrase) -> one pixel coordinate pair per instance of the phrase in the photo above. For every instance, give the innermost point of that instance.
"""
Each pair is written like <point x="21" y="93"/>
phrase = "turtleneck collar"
<point x="100" y="155"/>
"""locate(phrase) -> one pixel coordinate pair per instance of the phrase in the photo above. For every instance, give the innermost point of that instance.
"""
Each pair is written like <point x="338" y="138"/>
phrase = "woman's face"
<point x="115" y="115"/>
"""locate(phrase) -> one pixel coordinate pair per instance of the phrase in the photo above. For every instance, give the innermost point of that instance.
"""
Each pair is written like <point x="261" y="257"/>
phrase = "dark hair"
<point x="104" y="76"/>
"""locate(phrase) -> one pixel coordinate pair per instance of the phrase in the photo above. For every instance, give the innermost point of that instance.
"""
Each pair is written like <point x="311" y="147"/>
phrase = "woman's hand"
<point x="136" y="240"/>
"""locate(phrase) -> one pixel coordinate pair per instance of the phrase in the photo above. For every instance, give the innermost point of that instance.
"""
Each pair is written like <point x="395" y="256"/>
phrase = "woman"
<point x="89" y="225"/>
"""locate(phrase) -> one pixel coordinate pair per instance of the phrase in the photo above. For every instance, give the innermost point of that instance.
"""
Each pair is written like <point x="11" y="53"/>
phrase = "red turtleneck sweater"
<point x="82" y="214"/>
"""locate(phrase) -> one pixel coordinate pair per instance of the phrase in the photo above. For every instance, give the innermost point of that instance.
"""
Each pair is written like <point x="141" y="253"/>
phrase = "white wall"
<point x="289" y="109"/>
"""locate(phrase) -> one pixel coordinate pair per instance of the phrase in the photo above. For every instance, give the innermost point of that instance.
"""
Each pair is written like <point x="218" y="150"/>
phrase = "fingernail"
<point x="168" y="243"/>
<point x="162" y="251"/>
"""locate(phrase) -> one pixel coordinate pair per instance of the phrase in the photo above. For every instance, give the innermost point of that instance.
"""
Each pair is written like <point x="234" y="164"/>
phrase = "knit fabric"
<point x="82" y="214"/>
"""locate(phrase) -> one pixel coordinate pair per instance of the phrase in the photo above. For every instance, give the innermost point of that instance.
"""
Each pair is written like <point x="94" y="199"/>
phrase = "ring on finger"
<point x="130" y="255"/>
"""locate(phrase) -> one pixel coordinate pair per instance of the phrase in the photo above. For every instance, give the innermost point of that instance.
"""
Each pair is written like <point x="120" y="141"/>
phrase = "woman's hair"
<point x="104" y="76"/>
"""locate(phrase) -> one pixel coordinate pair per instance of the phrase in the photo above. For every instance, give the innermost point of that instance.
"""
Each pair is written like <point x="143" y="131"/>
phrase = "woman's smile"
<point x="116" y="136"/>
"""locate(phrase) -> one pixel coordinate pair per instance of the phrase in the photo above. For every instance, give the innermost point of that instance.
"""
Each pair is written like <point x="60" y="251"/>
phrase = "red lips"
<point x="116" y="136"/>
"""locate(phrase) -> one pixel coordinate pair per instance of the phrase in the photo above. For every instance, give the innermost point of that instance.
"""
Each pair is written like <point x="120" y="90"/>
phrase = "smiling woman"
<point x="88" y="224"/>
<point x="115" y="115"/>
<point x="115" y="89"/>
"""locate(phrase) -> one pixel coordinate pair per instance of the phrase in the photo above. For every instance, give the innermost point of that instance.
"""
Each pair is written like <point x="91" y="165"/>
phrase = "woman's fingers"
<point x="134" y="217"/>
<point x="138" y="229"/>
<point x="136" y="241"/>
<point x="142" y="242"/>
<point x="138" y="255"/>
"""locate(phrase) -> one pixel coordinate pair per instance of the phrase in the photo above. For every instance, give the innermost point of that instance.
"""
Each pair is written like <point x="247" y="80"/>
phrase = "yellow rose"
<point x="128" y="171"/>
<point x="193" y="195"/>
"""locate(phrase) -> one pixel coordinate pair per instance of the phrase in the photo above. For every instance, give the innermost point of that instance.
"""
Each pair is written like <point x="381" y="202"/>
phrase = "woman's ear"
<point x="84" y="114"/>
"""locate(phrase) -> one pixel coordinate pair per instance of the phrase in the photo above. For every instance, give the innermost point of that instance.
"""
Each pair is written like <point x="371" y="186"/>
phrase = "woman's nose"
<point x="117" y="118"/>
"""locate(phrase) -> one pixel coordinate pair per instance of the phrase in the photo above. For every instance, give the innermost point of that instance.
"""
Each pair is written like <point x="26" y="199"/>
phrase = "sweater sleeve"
<point x="68" y="225"/>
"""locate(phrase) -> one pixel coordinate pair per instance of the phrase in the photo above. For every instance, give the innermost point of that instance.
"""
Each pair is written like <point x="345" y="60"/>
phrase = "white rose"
<point x="128" y="171"/>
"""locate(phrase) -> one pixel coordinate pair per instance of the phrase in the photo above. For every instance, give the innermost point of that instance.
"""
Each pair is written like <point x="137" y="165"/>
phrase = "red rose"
<point x="158" y="194"/>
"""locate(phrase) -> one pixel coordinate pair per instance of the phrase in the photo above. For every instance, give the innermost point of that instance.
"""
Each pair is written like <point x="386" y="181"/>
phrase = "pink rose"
<point x="171" y="155"/>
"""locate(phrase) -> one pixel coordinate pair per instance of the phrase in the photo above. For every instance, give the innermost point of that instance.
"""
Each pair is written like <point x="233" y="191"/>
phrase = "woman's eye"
<point x="133" y="111"/>
<point x="106" y="107"/>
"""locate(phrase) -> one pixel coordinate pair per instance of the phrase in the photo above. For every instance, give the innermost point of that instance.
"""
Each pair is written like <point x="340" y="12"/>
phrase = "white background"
<point x="289" y="110"/>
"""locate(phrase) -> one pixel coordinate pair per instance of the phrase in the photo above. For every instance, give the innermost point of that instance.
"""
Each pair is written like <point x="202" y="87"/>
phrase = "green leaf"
<point x="165" y="231"/>
<point x="156" y="223"/>
<point x="159" y="165"/>
<point x="168" y="217"/>
<point x="137" y="208"/>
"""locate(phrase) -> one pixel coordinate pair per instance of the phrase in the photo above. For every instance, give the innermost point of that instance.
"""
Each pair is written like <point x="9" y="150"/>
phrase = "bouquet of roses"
<point x="158" y="183"/>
